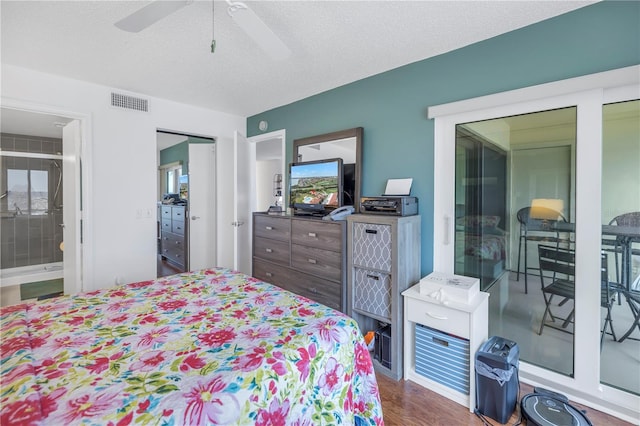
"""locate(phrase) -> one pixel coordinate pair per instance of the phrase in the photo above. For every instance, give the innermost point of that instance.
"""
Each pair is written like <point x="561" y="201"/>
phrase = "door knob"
<point x="194" y="217"/>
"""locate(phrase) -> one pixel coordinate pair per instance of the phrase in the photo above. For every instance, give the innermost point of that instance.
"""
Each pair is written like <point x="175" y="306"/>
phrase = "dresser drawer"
<point x="174" y="254"/>
<point x="177" y="227"/>
<point x="275" y="228"/>
<point x="372" y="246"/>
<point x="324" y="263"/>
<point x="272" y="250"/>
<point x="178" y="214"/>
<point x="318" y="234"/>
<point x="166" y="225"/>
<point x="322" y="291"/>
<point x="165" y="212"/>
<point x="172" y="240"/>
<point x="271" y="273"/>
<point x="440" y="317"/>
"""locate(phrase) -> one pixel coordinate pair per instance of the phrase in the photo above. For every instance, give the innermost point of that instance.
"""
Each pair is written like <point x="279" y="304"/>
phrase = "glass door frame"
<point x="588" y="94"/>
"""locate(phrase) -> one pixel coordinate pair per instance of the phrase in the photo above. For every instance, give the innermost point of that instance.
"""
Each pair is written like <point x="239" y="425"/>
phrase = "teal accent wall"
<point x="180" y="152"/>
<point x="392" y="106"/>
<point x="175" y="153"/>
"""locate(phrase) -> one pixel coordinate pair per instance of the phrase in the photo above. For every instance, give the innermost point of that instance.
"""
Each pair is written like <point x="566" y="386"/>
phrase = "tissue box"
<point x="449" y="287"/>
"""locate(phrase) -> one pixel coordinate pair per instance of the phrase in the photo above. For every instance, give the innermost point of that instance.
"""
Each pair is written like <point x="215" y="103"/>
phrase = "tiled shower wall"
<point x="30" y="239"/>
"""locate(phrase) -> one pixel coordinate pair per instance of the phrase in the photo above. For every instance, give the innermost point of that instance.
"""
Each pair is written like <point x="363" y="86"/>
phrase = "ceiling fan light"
<point x="258" y="31"/>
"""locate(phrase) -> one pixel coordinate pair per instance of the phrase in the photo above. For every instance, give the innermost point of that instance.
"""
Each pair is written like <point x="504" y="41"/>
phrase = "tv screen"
<point x="315" y="186"/>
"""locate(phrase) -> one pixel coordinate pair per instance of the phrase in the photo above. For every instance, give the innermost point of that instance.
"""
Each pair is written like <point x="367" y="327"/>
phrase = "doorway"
<point x="39" y="205"/>
<point x="186" y="216"/>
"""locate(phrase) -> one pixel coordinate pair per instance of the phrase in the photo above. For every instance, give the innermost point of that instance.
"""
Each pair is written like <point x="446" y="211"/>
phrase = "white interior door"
<point x="242" y="188"/>
<point x="202" y="205"/>
<point x="71" y="204"/>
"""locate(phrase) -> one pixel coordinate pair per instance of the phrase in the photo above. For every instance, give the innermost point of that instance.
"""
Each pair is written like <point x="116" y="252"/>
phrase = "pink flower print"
<point x="330" y="331"/>
<point x="101" y="364"/>
<point x="117" y="293"/>
<point x="363" y="360"/>
<point x="331" y="376"/>
<point x="91" y="405"/>
<point x="13" y="344"/>
<point x="148" y="361"/>
<point x="276" y="414"/>
<point x="191" y="319"/>
<point x="23" y="412"/>
<point x="153" y="337"/>
<point x="38" y="341"/>
<point x="67" y="341"/>
<point x="252" y="360"/>
<point x="48" y="402"/>
<point x="262" y="332"/>
<point x="276" y="312"/>
<point x="192" y="362"/>
<point x="208" y="403"/>
<point x="120" y="305"/>
<point x="276" y="363"/>
<point x="306" y="355"/>
<point x="140" y="284"/>
<point x="117" y="319"/>
<point x="149" y="319"/>
<point x="172" y="305"/>
<point x="11" y="309"/>
<point x="305" y="312"/>
<point x="217" y="337"/>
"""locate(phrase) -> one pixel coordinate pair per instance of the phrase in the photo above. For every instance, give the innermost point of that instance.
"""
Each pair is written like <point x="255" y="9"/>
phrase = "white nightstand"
<point x="440" y="341"/>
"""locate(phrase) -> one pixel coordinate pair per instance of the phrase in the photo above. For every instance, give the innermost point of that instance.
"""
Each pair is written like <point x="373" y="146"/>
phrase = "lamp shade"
<point x="546" y="208"/>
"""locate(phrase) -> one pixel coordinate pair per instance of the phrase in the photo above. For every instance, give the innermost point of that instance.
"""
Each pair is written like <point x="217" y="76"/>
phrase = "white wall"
<point x="122" y="174"/>
<point x="265" y="171"/>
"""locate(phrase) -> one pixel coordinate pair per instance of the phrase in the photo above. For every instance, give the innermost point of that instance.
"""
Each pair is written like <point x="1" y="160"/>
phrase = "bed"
<point x="205" y="347"/>
<point x="481" y="245"/>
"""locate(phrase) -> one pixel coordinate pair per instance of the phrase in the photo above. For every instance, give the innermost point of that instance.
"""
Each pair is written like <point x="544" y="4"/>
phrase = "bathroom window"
<point x="28" y="191"/>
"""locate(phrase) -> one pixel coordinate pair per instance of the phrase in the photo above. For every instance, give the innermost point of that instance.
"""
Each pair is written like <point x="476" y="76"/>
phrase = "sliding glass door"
<point x="539" y="175"/>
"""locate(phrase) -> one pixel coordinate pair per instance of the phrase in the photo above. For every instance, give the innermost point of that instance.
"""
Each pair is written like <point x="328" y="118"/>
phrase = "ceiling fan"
<point x="240" y="12"/>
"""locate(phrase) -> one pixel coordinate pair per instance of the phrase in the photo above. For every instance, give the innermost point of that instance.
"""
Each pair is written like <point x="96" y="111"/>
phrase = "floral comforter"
<point x="206" y="347"/>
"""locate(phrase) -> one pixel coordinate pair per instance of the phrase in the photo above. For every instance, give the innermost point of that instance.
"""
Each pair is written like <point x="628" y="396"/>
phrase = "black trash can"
<point x="497" y="378"/>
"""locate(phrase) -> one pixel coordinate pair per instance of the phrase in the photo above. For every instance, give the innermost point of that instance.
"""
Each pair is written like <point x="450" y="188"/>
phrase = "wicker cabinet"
<point x="383" y="261"/>
<point x="303" y="255"/>
<point x="174" y="236"/>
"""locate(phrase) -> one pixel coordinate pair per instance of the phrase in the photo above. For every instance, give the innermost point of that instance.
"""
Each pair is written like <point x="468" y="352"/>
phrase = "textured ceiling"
<point x="332" y="42"/>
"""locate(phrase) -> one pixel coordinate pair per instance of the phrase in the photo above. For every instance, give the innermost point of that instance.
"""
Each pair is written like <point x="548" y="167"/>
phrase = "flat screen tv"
<point x="315" y="187"/>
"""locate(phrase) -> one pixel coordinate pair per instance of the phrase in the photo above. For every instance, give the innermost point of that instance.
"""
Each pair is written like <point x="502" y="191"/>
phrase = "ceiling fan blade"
<point x="150" y="14"/>
<point x="259" y="32"/>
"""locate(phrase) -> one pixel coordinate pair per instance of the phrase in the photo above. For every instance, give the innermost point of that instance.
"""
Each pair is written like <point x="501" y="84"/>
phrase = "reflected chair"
<point x="614" y="245"/>
<point x="633" y="299"/>
<point x="539" y="228"/>
<point x="559" y="264"/>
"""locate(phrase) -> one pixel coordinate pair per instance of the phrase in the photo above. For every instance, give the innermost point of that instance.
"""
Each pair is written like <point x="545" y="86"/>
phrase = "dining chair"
<point x="557" y="278"/>
<point x="633" y="300"/>
<point x="538" y="230"/>
<point x="559" y="264"/>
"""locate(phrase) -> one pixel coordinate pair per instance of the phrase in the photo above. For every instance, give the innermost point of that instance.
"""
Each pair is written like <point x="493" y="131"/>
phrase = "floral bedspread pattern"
<point x="207" y="347"/>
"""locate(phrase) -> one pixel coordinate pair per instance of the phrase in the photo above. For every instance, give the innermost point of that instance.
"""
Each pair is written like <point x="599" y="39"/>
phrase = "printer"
<point x="394" y="202"/>
<point x="394" y="205"/>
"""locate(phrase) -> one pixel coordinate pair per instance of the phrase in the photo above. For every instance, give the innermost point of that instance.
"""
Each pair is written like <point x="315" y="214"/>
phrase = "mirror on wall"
<point x="345" y="144"/>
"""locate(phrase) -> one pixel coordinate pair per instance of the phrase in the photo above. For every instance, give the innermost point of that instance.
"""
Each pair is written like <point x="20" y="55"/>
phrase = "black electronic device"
<point x="390" y="205"/>
<point x="548" y="408"/>
<point x="315" y="187"/>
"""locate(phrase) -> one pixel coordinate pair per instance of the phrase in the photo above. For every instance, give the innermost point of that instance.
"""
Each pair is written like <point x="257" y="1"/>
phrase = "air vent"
<point x="129" y="102"/>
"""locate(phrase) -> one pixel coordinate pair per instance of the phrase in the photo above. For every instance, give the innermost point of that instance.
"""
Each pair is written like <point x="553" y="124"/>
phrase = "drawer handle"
<point x="269" y="274"/>
<point x="312" y="261"/>
<point x="373" y="277"/>
<point x="177" y="243"/>
<point x="312" y="234"/>
<point x="268" y="250"/>
<point x="269" y="228"/>
<point x="314" y="290"/>
<point x="371" y="231"/>
<point x="436" y="316"/>
<point x="440" y="342"/>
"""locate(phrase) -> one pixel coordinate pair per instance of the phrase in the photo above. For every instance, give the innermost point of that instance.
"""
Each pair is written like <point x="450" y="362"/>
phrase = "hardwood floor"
<point x="166" y="268"/>
<point x="405" y="403"/>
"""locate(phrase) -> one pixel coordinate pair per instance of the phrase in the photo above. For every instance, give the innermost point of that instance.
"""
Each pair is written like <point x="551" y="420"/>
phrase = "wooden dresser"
<point x="306" y="256"/>
<point x="173" y="235"/>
